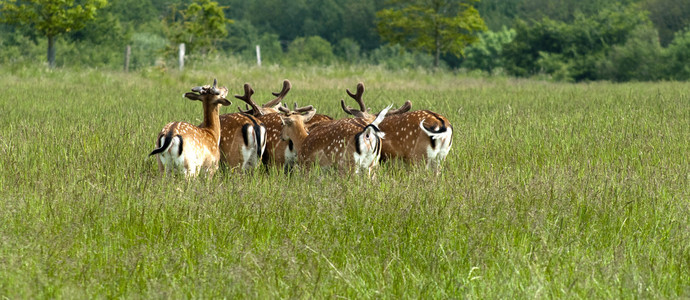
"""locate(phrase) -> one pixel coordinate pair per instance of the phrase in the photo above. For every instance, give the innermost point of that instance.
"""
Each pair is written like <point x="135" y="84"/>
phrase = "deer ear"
<point x="192" y="96"/>
<point x="223" y="102"/>
<point x="309" y="115"/>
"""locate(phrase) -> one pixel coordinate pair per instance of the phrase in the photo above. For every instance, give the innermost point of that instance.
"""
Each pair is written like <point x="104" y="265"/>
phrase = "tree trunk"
<point x="51" y="51"/>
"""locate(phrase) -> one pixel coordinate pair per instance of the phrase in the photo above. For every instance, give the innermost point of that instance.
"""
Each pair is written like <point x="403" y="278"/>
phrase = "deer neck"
<point x="297" y="134"/>
<point x="211" y="118"/>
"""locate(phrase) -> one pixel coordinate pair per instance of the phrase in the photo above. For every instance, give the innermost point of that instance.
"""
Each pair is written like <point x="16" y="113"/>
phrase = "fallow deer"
<point x="243" y="140"/>
<point x="184" y="147"/>
<point x="411" y="136"/>
<point x="278" y="151"/>
<point x="342" y="143"/>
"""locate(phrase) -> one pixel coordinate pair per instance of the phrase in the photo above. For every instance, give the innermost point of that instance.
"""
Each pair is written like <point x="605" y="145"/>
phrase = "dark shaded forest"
<point x="568" y="40"/>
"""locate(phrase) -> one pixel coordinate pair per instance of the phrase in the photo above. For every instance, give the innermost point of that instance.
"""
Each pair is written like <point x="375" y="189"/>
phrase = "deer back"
<point x="243" y="139"/>
<point x="406" y="139"/>
<point x="331" y="142"/>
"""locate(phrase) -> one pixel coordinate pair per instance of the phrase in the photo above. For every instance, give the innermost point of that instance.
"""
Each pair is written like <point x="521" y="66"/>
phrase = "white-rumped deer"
<point x="243" y="140"/>
<point x="187" y="148"/>
<point x="411" y="136"/>
<point x="278" y="151"/>
<point x="343" y="143"/>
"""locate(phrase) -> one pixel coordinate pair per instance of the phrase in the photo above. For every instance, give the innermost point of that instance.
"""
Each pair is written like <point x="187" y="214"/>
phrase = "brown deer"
<point x="187" y="148"/>
<point x="243" y="140"/>
<point x="341" y="143"/>
<point x="411" y="136"/>
<point x="278" y="151"/>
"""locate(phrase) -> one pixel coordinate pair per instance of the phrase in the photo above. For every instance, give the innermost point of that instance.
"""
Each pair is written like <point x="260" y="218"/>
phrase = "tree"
<point x="313" y="49"/>
<point x="432" y="26"/>
<point x="200" y="26"/>
<point x="570" y="49"/>
<point x="668" y="16"/>
<point x="50" y="17"/>
<point x="486" y="54"/>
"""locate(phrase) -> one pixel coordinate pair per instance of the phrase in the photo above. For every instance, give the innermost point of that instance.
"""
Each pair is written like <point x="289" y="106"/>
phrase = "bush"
<point x="348" y="50"/>
<point x="580" y="44"/>
<point x="147" y="48"/>
<point x="396" y="57"/>
<point x="678" y="56"/>
<point x="640" y="58"/>
<point x="485" y="54"/>
<point x="310" y="50"/>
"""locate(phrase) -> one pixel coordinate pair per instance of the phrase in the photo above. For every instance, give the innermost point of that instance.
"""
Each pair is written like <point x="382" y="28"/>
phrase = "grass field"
<point x="550" y="191"/>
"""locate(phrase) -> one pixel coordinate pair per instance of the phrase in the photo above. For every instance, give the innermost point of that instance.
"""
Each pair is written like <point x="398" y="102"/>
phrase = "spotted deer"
<point x="181" y="146"/>
<point x="411" y="136"/>
<point x="243" y="140"/>
<point x="278" y="152"/>
<point x="341" y="143"/>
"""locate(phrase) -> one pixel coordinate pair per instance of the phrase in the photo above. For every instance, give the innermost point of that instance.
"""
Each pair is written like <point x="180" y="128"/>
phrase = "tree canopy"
<point x="432" y="26"/>
<point x="50" y="17"/>
<point x="557" y="39"/>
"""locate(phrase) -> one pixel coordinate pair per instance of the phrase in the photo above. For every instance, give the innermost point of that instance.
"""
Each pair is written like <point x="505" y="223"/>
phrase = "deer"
<point x="421" y="135"/>
<point x="342" y="143"/>
<point x="278" y="151"/>
<point x="243" y="140"/>
<point x="190" y="149"/>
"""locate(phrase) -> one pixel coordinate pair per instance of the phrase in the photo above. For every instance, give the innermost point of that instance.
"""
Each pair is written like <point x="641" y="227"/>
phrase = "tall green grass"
<point x="550" y="191"/>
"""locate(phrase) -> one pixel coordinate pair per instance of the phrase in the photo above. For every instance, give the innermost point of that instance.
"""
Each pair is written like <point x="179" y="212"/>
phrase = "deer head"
<point x="293" y="121"/>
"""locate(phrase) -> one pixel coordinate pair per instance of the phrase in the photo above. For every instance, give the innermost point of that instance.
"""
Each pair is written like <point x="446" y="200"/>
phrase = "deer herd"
<point x="275" y="135"/>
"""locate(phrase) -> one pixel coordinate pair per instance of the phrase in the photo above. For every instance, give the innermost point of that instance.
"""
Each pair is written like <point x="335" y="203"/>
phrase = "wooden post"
<point x="181" y="57"/>
<point x="258" y="55"/>
<point x="128" y="53"/>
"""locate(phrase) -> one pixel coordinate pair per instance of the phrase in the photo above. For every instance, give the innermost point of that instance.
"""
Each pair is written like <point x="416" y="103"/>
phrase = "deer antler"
<point x="303" y="109"/>
<point x="286" y="88"/>
<point x="214" y="90"/>
<point x="284" y="109"/>
<point x="358" y="98"/>
<point x="403" y="109"/>
<point x="247" y="98"/>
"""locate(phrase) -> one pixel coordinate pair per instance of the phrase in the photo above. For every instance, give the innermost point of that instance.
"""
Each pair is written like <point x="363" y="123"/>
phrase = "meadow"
<point x="551" y="190"/>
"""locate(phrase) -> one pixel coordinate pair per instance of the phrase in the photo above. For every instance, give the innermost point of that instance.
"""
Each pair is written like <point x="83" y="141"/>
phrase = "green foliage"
<point x="50" y="17"/>
<point x="333" y="20"/>
<point x="309" y="50"/>
<point x="200" y="26"/>
<point x="668" y="16"/>
<point x="679" y="56"/>
<point x="348" y="50"/>
<point x="395" y="57"/>
<point x="147" y="49"/>
<point x="639" y="58"/>
<point x="18" y="47"/>
<point x="486" y="54"/>
<point x="580" y="44"/>
<point x="435" y="27"/>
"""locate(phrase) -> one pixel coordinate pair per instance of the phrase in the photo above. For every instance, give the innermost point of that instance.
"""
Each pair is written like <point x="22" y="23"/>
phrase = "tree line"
<point x="570" y="40"/>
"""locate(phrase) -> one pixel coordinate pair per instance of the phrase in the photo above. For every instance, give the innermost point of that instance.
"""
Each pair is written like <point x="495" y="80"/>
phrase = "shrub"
<point x="485" y="54"/>
<point x="678" y="55"/>
<point x="310" y="50"/>
<point x="396" y="57"/>
<point x="348" y="50"/>
<point x="640" y="58"/>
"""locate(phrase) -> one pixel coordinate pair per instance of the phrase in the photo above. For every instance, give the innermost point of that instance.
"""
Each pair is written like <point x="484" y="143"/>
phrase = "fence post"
<point x="181" y="57"/>
<point x="128" y="53"/>
<point x="258" y="55"/>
